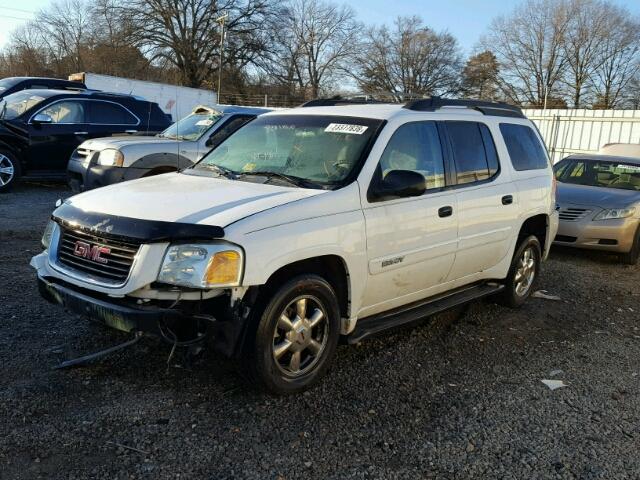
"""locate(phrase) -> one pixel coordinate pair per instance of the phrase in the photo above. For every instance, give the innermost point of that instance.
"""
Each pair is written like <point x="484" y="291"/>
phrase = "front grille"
<point x="83" y="152"/>
<point x="97" y="256"/>
<point x="573" y="214"/>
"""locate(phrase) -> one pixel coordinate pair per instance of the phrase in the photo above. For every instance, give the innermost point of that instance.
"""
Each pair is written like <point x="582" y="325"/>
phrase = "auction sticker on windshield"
<point x="345" y="128"/>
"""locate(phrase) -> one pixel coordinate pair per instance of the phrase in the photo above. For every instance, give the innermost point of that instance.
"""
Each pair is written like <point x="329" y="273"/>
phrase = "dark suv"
<point x="39" y="129"/>
<point x="11" y="85"/>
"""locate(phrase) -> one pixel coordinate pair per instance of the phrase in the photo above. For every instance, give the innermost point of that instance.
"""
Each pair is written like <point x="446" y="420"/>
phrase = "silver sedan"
<point x="599" y="201"/>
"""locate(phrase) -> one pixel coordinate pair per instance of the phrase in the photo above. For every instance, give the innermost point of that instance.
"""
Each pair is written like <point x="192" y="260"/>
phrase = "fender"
<point x="165" y="159"/>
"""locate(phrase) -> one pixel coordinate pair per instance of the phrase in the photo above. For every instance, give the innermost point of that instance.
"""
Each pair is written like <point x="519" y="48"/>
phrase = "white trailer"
<point x="174" y="100"/>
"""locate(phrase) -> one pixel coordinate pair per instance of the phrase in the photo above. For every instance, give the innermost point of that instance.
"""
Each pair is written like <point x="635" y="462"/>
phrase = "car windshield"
<point x="609" y="174"/>
<point x="16" y="104"/>
<point x="192" y="127"/>
<point x="317" y="151"/>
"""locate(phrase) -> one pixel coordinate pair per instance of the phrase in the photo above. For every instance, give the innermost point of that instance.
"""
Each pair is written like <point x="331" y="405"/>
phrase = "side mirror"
<point x="42" y="118"/>
<point x="401" y="183"/>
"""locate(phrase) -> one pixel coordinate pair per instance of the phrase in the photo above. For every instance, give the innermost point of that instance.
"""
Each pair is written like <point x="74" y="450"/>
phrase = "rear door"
<point x="486" y="197"/>
<point x="108" y="118"/>
<point x="411" y="242"/>
<point x="51" y="144"/>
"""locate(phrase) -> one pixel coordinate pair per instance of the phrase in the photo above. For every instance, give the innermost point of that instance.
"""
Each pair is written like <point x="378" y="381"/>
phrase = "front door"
<point x="411" y="242"/>
<point x="51" y="144"/>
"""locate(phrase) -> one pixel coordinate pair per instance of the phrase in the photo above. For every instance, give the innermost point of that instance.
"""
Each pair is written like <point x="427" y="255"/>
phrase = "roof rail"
<point x="332" y="102"/>
<point x="487" y="108"/>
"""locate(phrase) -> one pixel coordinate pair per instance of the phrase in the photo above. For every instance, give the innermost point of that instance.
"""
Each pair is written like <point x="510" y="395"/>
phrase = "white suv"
<point x="307" y="225"/>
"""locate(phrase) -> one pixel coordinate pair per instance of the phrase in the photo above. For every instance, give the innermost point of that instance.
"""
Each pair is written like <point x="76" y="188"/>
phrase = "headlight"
<point x="615" y="213"/>
<point x="48" y="233"/>
<point x="111" y="158"/>
<point x="202" y="265"/>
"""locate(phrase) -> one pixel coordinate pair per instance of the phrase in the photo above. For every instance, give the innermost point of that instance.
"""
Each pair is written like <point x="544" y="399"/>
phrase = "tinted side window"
<point x="524" y="147"/>
<point x="231" y="126"/>
<point x="475" y="161"/>
<point x="66" y="112"/>
<point x="416" y="146"/>
<point x="104" y="113"/>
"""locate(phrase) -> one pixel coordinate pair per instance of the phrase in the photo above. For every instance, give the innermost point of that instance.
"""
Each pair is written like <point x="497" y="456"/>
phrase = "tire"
<point x="291" y="345"/>
<point x="631" y="257"/>
<point x="9" y="170"/>
<point x="518" y="288"/>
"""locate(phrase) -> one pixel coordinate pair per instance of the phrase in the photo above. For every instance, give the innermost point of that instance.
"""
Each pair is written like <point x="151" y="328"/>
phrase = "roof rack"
<point x="332" y="102"/>
<point x="487" y="108"/>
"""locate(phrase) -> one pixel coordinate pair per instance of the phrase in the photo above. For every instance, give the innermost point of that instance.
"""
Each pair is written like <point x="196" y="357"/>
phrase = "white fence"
<point x="584" y="131"/>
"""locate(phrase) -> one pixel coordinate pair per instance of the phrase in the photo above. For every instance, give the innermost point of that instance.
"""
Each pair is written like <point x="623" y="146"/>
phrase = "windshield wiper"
<point x="221" y="171"/>
<point x="293" y="180"/>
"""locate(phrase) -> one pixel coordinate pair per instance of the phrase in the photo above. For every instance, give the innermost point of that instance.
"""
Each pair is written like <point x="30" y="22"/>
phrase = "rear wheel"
<point x="631" y="257"/>
<point x="296" y="336"/>
<point x="523" y="273"/>
<point x="9" y="170"/>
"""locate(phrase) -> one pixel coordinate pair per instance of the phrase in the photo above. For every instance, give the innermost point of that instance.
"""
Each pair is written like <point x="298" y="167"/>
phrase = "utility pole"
<point x="221" y="20"/>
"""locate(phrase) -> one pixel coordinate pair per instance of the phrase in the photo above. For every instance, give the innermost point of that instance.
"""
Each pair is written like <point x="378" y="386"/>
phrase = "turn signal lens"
<point x="224" y="268"/>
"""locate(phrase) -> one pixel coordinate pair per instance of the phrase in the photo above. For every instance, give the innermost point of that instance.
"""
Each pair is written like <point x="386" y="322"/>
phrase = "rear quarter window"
<point x="524" y="147"/>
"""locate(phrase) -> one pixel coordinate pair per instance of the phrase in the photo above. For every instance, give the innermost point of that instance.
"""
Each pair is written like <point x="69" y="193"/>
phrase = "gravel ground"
<point x="443" y="400"/>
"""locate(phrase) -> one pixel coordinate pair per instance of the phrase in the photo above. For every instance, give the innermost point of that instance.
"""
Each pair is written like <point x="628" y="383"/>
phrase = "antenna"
<point x="221" y="20"/>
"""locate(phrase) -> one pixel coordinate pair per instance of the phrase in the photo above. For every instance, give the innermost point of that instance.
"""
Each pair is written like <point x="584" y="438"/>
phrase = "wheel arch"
<point x="538" y="226"/>
<point x="156" y="161"/>
<point x="333" y="268"/>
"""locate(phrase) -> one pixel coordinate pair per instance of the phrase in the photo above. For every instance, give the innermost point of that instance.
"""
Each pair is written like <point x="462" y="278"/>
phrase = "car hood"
<point x="595" y="196"/>
<point x="125" y="141"/>
<point x="177" y="197"/>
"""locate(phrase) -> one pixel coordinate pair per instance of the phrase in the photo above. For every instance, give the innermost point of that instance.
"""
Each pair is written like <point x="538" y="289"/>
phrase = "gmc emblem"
<point x="91" y="252"/>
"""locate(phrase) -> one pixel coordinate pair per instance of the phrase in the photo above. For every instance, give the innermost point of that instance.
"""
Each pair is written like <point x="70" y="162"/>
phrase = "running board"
<point x="425" y="308"/>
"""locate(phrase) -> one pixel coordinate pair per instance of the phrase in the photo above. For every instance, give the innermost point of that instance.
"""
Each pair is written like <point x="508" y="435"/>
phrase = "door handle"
<point x="445" y="211"/>
<point x="131" y="131"/>
<point x="507" y="200"/>
<point x="81" y="133"/>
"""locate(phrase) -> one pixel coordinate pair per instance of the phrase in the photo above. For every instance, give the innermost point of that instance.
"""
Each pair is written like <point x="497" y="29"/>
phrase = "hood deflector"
<point x="126" y="228"/>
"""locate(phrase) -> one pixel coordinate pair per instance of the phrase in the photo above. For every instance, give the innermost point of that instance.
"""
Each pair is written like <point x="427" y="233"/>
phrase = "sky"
<point x="467" y="20"/>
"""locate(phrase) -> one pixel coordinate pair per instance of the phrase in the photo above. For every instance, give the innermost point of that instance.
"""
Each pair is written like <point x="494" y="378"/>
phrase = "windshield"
<point x="312" y="148"/>
<point x="192" y="127"/>
<point x="624" y="176"/>
<point x="16" y="104"/>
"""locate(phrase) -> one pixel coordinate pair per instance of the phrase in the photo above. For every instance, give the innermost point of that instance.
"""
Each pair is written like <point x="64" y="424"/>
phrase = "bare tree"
<point x="528" y="44"/>
<point x="186" y="33"/>
<point x="620" y="58"/>
<point x="587" y="28"/>
<point x="317" y="38"/>
<point x="409" y="60"/>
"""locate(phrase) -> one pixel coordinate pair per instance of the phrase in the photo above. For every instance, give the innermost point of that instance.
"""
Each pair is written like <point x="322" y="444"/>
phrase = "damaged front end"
<point x="221" y="320"/>
<point x="180" y="282"/>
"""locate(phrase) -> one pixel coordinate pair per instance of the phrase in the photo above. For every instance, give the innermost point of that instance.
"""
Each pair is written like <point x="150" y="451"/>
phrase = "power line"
<point x="16" y="18"/>
<point x="16" y="9"/>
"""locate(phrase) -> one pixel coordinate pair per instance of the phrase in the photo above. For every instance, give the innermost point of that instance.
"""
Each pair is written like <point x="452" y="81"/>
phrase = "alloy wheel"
<point x="7" y="170"/>
<point x="300" y="336"/>
<point x="526" y="272"/>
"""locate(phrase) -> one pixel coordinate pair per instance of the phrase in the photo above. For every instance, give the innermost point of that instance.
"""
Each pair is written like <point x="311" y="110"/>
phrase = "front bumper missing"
<point x="121" y="317"/>
<point x="228" y="328"/>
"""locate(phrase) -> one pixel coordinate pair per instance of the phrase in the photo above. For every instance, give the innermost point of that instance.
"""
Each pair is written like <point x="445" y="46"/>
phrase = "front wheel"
<point x="523" y="274"/>
<point x="296" y="336"/>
